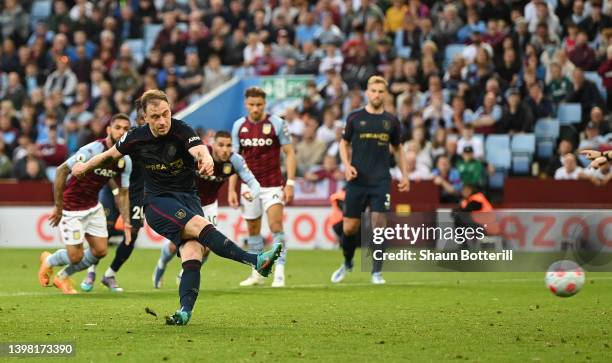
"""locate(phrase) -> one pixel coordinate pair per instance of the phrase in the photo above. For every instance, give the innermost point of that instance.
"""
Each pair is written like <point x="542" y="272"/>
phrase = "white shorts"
<point x="75" y="224"/>
<point x="210" y="212"/>
<point x="267" y="198"/>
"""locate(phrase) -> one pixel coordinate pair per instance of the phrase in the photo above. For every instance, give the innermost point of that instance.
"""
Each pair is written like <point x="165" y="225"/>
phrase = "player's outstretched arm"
<point x="404" y="184"/>
<point x="59" y="185"/>
<point x="205" y="162"/>
<point x="81" y="168"/>
<point x="246" y="175"/>
<point x="290" y="166"/>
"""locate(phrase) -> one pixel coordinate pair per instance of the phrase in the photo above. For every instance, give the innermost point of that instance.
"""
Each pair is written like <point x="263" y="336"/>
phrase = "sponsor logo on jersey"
<point x="121" y="163"/>
<point x="227" y="168"/>
<point x="255" y="141"/>
<point x="244" y="129"/>
<point x="194" y="138"/>
<point x="180" y="214"/>
<point x="267" y="128"/>
<point x="107" y="173"/>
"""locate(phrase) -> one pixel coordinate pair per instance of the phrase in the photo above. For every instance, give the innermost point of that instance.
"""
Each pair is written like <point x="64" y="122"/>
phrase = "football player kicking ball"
<point x="124" y="248"/>
<point x="259" y="138"/>
<point x="227" y="164"/>
<point x="79" y="214"/>
<point x="368" y="132"/>
<point x="169" y="150"/>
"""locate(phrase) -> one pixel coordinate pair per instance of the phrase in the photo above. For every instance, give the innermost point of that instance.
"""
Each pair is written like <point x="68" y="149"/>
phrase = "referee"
<point x="364" y="150"/>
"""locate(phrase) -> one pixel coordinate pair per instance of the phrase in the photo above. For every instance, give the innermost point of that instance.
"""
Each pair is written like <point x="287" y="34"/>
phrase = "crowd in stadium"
<point x="458" y="71"/>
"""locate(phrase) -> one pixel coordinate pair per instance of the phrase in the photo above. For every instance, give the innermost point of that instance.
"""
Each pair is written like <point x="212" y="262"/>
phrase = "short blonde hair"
<point x="376" y="80"/>
<point x="152" y="96"/>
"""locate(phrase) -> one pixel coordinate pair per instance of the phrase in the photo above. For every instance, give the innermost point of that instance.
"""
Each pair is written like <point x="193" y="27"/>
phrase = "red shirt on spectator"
<point x="53" y="153"/>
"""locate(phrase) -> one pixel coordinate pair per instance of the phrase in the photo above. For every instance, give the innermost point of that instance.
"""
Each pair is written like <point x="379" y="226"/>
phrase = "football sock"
<point x="123" y="252"/>
<point x="58" y="258"/>
<point x="223" y="247"/>
<point x="165" y="255"/>
<point x="92" y="268"/>
<point x="255" y="244"/>
<point x="349" y="245"/>
<point x="190" y="284"/>
<point x="279" y="237"/>
<point x="87" y="260"/>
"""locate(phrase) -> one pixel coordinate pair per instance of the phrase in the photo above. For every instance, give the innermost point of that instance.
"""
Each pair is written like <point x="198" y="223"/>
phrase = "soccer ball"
<point x="564" y="278"/>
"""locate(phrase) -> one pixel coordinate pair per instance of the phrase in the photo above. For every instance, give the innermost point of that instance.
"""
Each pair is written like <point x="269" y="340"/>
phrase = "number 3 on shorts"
<point x="138" y="212"/>
<point x="387" y="201"/>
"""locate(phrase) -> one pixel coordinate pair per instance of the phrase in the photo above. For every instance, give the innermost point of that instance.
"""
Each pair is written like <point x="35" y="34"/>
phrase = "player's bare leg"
<point x="348" y="242"/>
<point x="255" y="243"/>
<point x="275" y="219"/>
<point x="379" y="220"/>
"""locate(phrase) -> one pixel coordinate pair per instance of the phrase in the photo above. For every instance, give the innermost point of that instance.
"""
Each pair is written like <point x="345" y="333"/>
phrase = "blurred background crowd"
<point x="484" y="89"/>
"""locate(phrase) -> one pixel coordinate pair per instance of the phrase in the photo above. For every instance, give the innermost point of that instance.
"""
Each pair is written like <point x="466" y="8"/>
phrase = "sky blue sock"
<point x="165" y="255"/>
<point x="59" y="258"/>
<point x="87" y="260"/>
<point x="255" y="244"/>
<point x="279" y="237"/>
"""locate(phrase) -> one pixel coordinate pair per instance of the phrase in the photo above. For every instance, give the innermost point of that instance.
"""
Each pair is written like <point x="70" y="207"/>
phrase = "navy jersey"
<point x="370" y="135"/>
<point x="168" y="166"/>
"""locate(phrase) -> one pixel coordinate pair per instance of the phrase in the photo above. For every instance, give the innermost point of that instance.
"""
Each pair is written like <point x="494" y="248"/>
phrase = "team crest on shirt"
<point x="180" y="214"/>
<point x="227" y="168"/>
<point x="171" y="150"/>
<point x="121" y="163"/>
<point x="386" y="125"/>
<point x="76" y="235"/>
<point x="362" y="123"/>
<point x="267" y="128"/>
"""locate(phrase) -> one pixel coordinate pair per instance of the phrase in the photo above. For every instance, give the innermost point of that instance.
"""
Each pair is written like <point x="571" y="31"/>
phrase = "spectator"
<point x="583" y="56"/>
<point x="570" y="169"/>
<point x="416" y="172"/>
<point x="539" y="105"/>
<point x="448" y="180"/>
<point x="309" y="151"/>
<point x="470" y="169"/>
<point x="595" y="21"/>
<point x="328" y="171"/>
<point x="565" y="147"/>
<point x="599" y="177"/>
<point x="53" y="152"/>
<point x="327" y="131"/>
<point x="214" y="74"/>
<point x="559" y="85"/>
<point x="15" y="91"/>
<point x="125" y="77"/>
<point x="30" y="167"/>
<point x="586" y="93"/>
<point x="305" y="32"/>
<point x="517" y="115"/>
<point x="605" y="72"/>
<point x="467" y="139"/>
<point x="447" y="26"/>
<point x="592" y="140"/>
<point x="191" y="80"/>
<point x="63" y="80"/>
<point x="421" y="147"/>
<point x="6" y="166"/>
<point x="597" y="118"/>
<point x="487" y="115"/>
<point x="328" y="33"/>
<point x="14" y="21"/>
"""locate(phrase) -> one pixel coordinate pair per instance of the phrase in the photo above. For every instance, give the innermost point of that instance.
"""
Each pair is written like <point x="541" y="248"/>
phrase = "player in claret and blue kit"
<point x="79" y="214"/>
<point x="169" y="150"/>
<point x="227" y="164"/>
<point x="136" y="210"/>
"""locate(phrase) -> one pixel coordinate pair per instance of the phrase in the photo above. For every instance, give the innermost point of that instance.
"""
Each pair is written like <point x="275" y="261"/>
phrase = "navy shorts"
<point x="112" y="212"/>
<point x="168" y="213"/>
<point x="359" y="197"/>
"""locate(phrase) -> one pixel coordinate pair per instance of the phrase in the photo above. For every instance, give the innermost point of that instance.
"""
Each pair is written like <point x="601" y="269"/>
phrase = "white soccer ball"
<point x="564" y="278"/>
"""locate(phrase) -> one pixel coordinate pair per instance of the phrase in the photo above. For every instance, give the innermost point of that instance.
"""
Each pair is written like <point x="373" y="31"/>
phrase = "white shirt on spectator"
<point x="296" y="127"/>
<point x="562" y="174"/>
<point x="420" y="173"/>
<point x="469" y="52"/>
<point x="75" y="12"/>
<point x="326" y="134"/>
<point x="250" y="53"/>
<point x="475" y="143"/>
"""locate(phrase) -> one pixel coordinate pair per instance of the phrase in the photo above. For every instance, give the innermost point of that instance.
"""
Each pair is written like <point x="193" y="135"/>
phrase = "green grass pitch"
<point x="416" y="317"/>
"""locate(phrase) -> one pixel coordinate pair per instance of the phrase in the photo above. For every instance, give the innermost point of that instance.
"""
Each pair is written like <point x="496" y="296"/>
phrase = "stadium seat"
<point x="546" y="133"/>
<point x="41" y="9"/>
<point x="150" y="34"/>
<point x="569" y="113"/>
<point x="451" y="51"/>
<point x="496" y="181"/>
<point x="499" y="157"/>
<point x="138" y="51"/>
<point x="497" y="142"/>
<point x="523" y="148"/>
